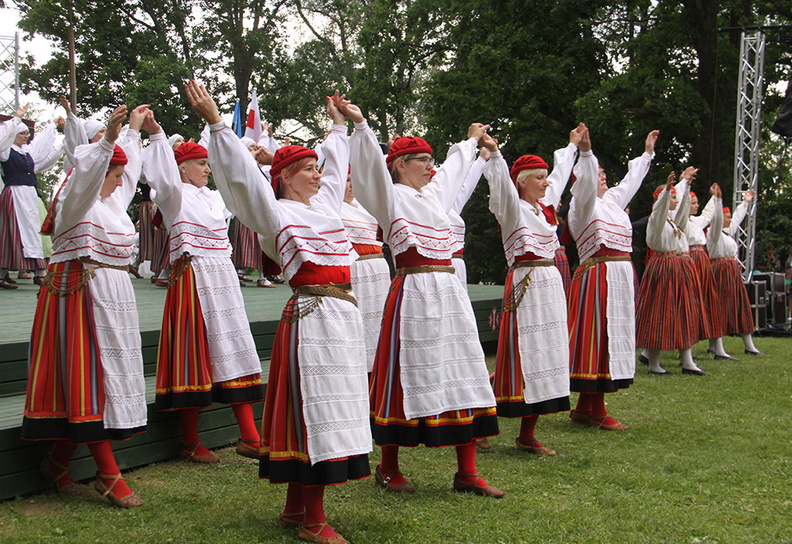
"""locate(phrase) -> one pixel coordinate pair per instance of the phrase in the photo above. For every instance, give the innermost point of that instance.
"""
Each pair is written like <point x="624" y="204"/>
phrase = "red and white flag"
<point x="253" y="126"/>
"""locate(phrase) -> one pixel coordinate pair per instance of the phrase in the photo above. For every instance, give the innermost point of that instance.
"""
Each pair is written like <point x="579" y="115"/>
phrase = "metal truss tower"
<point x="9" y="73"/>
<point x="747" y="136"/>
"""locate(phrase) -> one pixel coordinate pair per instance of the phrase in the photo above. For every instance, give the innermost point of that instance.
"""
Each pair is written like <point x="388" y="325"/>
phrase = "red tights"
<point x="310" y="500"/>
<point x="244" y="417"/>
<point x="102" y="453"/>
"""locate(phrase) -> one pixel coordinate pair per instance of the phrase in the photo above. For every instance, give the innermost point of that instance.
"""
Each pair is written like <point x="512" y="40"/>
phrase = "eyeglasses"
<point x="427" y="161"/>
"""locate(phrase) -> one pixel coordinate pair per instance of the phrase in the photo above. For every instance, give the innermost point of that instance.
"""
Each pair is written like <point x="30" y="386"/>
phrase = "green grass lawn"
<point x="706" y="459"/>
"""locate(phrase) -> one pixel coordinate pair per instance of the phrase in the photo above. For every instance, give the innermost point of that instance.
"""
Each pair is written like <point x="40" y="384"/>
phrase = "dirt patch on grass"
<point x="41" y="508"/>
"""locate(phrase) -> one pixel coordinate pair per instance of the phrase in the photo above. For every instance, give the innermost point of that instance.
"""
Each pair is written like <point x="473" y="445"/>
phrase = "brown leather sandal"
<point x="473" y="487"/>
<point x="130" y="501"/>
<point x="248" y="448"/>
<point x="187" y="451"/>
<point x="310" y="536"/>
<point x="288" y="521"/>
<point x="532" y="446"/>
<point x="384" y="480"/>
<point x="47" y="467"/>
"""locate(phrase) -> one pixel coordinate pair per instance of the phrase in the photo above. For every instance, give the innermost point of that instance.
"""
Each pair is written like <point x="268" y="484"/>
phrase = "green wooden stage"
<point x="19" y="459"/>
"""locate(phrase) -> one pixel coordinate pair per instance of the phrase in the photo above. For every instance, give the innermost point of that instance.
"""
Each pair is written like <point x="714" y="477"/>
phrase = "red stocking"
<point x="466" y="464"/>
<point x="390" y="464"/>
<point x="246" y="422"/>
<point x="313" y="499"/>
<point x="59" y="458"/>
<point x="189" y="423"/>
<point x="105" y="461"/>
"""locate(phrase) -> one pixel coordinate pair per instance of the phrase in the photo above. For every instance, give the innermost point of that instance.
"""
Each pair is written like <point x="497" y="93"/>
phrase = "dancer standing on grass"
<point x="315" y="430"/>
<point x="732" y="303"/>
<point x="429" y="384"/>
<point x="669" y="302"/>
<point x="206" y="350"/>
<point x="86" y="371"/>
<point x="601" y="298"/>
<point x="532" y="372"/>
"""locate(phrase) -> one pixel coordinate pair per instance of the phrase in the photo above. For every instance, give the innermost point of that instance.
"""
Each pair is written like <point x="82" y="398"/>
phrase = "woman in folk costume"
<point x="206" y="351"/>
<point x="732" y="302"/>
<point x="20" y="223"/>
<point x="669" y="303"/>
<point x="86" y="372"/>
<point x="429" y="383"/>
<point x="455" y="217"/>
<point x="532" y="371"/>
<point x="315" y="430"/>
<point x="697" y="241"/>
<point x="370" y="273"/>
<point x="601" y="304"/>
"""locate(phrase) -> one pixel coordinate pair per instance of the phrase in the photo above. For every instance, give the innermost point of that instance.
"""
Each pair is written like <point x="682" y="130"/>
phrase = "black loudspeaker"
<point x="783" y="123"/>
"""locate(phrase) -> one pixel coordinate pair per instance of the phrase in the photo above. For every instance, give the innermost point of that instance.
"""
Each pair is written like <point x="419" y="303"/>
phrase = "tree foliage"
<point x="532" y="69"/>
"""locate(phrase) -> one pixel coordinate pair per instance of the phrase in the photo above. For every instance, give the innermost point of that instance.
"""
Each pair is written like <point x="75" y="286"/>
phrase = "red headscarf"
<point x="527" y="162"/>
<point x="726" y="210"/>
<point x="190" y="150"/>
<point x="119" y="157"/>
<point x="659" y="190"/>
<point x="285" y="156"/>
<point x="405" y="145"/>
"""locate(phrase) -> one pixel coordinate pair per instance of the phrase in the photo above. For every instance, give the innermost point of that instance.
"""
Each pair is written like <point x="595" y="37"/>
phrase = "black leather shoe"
<point x="643" y="359"/>
<point x="695" y="372"/>
<point x="727" y="358"/>
<point x="749" y="352"/>
<point x="663" y="373"/>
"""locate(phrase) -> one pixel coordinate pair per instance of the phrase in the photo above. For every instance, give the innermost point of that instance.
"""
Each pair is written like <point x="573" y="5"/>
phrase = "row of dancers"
<point x="358" y="357"/>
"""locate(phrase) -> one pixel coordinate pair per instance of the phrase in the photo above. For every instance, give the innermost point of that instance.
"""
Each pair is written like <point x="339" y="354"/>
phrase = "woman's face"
<point x="349" y="196"/>
<point x="602" y="183"/>
<point x="694" y="205"/>
<point x="113" y="179"/>
<point x="22" y="138"/>
<point x="416" y="171"/>
<point x="674" y="202"/>
<point x="302" y="184"/>
<point x="727" y="219"/>
<point x="98" y="136"/>
<point x="195" y="172"/>
<point x="534" y="186"/>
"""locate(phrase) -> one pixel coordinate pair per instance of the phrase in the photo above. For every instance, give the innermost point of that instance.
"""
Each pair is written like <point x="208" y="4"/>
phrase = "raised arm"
<point x="91" y="165"/>
<point x="659" y="215"/>
<point x="236" y="174"/>
<point x="335" y="149"/>
<point x="133" y="150"/>
<point x="504" y="201"/>
<point x="41" y="147"/>
<point x="563" y="161"/>
<point x="708" y="213"/>
<point x="8" y="131"/>
<point x="716" y="226"/>
<point x="738" y="216"/>
<point x="471" y="181"/>
<point x="448" y="179"/>
<point x="637" y="169"/>
<point x="682" y="215"/>
<point x="584" y="190"/>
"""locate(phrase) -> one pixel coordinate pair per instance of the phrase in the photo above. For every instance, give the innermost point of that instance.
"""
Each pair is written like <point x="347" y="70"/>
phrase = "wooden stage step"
<point x="20" y="459"/>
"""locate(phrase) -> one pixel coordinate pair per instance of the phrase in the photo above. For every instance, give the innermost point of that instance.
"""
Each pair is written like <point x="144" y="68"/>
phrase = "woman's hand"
<point x="137" y="116"/>
<point x="60" y="122"/>
<point x="489" y="144"/>
<point x="150" y="124"/>
<point x="64" y="102"/>
<point x="202" y="103"/>
<point x="345" y="106"/>
<point x="714" y="189"/>
<point x="670" y="181"/>
<point x="749" y="195"/>
<point x="577" y="134"/>
<point x="651" y="140"/>
<point x="585" y="141"/>
<point x="114" y="122"/>
<point x="689" y="174"/>
<point x="332" y="109"/>
<point x="22" y="111"/>
<point x="477" y="131"/>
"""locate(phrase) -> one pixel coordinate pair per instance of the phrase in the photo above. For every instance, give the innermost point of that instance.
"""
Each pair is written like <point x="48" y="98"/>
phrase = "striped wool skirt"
<point x="284" y="454"/>
<point x="246" y="252"/>
<point x="533" y="329"/>
<point x="389" y="423"/>
<point x="701" y="263"/>
<point x="184" y="372"/>
<point x="12" y="255"/>
<point x="67" y="396"/>
<point x="669" y="304"/>
<point x="147" y="231"/>
<point x="562" y="264"/>
<point x="732" y="301"/>
<point x="593" y="368"/>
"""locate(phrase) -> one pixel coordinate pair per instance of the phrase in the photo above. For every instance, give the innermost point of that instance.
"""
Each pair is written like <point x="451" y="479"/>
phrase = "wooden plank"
<point x="14" y="352"/>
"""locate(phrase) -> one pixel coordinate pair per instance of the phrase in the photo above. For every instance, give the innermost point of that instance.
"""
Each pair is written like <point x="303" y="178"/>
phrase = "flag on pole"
<point x="236" y="123"/>
<point x="253" y="128"/>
